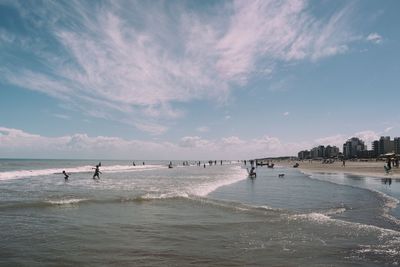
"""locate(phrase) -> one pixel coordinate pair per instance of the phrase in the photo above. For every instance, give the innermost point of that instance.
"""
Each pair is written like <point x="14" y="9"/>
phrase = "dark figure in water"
<point x="204" y="165"/>
<point x="133" y="164"/>
<point x="389" y="163"/>
<point x="143" y="162"/>
<point x="252" y="172"/>
<point x="65" y="175"/>
<point x="99" y="164"/>
<point x="221" y="162"/>
<point x="244" y="162"/>
<point x="96" y="172"/>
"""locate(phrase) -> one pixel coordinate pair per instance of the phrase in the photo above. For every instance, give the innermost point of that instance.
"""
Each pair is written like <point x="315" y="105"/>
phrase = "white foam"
<point x="30" y="173"/>
<point x="150" y="196"/>
<point x="323" y="219"/>
<point x="335" y="211"/>
<point x="69" y="201"/>
<point x="208" y="187"/>
<point x="389" y="201"/>
<point x="81" y="169"/>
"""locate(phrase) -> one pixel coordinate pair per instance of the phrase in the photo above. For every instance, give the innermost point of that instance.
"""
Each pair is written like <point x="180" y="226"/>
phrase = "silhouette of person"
<point x="65" y="175"/>
<point x="96" y="172"/>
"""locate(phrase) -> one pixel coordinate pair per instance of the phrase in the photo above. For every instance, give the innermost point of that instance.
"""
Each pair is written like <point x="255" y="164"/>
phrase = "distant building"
<point x="366" y="154"/>
<point x="304" y="154"/>
<point x="375" y="148"/>
<point x="396" y="144"/>
<point x="319" y="152"/>
<point x="331" y="151"/>
<point x="385" y="145"/>
<point x="353" y="148"/>
<point x="314" y="153"/>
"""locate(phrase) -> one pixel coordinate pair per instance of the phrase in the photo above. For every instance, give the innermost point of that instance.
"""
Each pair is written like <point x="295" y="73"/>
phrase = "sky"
<point x="195" y="79"/>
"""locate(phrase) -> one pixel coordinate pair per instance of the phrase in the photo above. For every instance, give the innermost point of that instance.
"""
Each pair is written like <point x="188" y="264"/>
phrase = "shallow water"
<point x="154" y="216"/>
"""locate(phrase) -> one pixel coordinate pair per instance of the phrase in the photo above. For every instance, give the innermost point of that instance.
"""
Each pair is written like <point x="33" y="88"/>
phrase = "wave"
<point x="389" y="202"/>
<point x="206" y="188"/>
<point x="325" y="218"/>
<point x="66" y="201"/>
<point x="385" y="250"/>
<point x="80" y="169"/>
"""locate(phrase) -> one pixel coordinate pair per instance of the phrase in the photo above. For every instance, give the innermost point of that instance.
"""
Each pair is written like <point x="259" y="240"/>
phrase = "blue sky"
<point x="195" y="79"/>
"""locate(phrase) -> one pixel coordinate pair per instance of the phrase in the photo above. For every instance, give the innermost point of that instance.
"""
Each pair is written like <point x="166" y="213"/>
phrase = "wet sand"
<point x="370" y="168"/>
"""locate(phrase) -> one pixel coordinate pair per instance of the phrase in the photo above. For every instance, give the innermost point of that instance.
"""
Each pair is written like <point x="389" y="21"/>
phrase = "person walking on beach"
<point x="66" y="176"/>
<point x="344" y="163"/>
<point x="96" y="172"/>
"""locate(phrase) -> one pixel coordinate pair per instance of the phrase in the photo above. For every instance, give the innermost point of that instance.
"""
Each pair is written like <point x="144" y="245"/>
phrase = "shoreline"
<point x="371" y="169"/>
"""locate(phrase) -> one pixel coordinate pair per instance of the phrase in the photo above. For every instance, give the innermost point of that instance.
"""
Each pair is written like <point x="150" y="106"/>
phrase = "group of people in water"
<point x="96" y="174"/>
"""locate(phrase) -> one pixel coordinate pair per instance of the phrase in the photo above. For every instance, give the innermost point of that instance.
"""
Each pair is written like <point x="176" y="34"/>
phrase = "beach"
<point x="370" y="168"/>
<point x="152" y="215"/>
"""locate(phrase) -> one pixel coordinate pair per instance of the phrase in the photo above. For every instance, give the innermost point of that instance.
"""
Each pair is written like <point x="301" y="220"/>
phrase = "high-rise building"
<point x="353" y="147"/>
<point x="385" y="145"/>
<point x="331" y="151"/>
<point x="304" y="154"/>
<point x="396" y="144"/>
<point x="375" y="148"/>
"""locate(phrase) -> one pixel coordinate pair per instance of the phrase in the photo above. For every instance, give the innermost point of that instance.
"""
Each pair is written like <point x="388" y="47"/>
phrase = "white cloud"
<point x="374" y="38"/>
<point x="335" y="140"/>
<point x="339" y="139"/>
<point x="232" y="141"/>
<point x="367" y="136"/>
<point x="17" y="143"/>
<point x="151" y="128"/>
<point x="203" y="129"/>
<point x="62" y="116"/>
<point x="116" y="61"/>
<point x="286" y="113"/>
<point x="194" y="142"/>
<point x="388" y="129"/>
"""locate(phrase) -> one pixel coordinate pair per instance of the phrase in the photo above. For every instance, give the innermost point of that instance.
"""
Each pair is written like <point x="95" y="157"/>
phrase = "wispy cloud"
<point x="62" y="116"/>
<point x="339" y="139"/>
<point x="128" y="60"/>
<point x="286" y="113"/>
<point x="388" y="129"/>
<point x="203" y="129"/>
<point x="374" y="38"/>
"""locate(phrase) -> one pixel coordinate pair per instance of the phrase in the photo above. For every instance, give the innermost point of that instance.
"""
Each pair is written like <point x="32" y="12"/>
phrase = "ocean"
<point x="150" y="215"/>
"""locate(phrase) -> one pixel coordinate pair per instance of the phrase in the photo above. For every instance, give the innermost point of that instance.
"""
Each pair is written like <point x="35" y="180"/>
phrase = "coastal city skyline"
<point x="354" y="148"/>
<point x="195" y="79"/>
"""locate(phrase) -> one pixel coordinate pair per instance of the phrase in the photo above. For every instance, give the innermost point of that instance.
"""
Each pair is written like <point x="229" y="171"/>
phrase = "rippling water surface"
<point x="149" y="215"/>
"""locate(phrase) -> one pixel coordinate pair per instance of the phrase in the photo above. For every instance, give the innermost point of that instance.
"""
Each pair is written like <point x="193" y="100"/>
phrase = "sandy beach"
<point x="370" y="168"/>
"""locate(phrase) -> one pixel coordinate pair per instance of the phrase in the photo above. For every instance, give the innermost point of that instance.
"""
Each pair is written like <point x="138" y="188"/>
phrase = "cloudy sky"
<point x="195" y="79"/>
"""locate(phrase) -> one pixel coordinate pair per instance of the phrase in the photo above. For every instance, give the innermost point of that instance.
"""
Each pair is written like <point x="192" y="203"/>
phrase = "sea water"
<point x="150" y="215"/>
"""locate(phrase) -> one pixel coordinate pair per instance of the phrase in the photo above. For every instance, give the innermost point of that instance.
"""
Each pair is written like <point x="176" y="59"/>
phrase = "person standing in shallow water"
<point x="96" y="172"/>
<point x="66" y="176"/>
